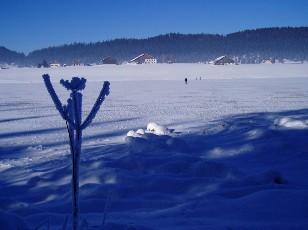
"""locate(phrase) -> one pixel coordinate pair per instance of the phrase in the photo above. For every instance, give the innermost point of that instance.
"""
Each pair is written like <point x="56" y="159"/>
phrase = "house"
<point x="109" y="60"/>
<point x="78" y="63"/>
<point x="144" y="59"/>
<point x="267" y="62"/>
<point x="54" y="64"/>
<point x="223" y="60"/>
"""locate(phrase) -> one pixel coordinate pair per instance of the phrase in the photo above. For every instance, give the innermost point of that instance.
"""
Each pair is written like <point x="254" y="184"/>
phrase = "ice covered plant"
<point x="71" y="113"/>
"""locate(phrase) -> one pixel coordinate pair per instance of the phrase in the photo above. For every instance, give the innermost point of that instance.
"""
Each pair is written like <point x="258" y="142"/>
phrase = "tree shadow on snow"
<point x="230" y="158"/>
<point x="265" y="135"/>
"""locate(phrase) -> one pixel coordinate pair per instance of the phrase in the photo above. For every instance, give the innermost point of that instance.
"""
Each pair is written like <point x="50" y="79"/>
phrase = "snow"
<point x="156" y="138"/>
<point x="291" y="122"/>
<point x="157" y="128"/>
<point x="225" y="152"/>
<point x="11" y="221"/>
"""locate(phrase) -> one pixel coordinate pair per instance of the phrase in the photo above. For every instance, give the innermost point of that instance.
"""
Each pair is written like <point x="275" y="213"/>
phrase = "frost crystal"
<point x="76" y="84"/>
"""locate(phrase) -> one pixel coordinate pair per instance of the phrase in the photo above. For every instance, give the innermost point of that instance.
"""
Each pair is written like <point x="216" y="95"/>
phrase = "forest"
<point x="245" y="47"/>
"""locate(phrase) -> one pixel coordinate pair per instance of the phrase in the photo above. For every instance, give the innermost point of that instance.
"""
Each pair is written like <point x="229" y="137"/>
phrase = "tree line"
<point x="249" y="46"/>
<point x="11" y="57"/>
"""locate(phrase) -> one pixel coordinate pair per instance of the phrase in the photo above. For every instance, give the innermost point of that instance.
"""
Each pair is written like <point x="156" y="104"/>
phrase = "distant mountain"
<point x="249" y="46"/>
<point x="10" y="57"/>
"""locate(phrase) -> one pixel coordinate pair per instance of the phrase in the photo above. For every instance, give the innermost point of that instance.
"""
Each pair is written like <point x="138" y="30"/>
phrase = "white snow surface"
<point x="157" y="128"/>
<point x="229" y="151"/>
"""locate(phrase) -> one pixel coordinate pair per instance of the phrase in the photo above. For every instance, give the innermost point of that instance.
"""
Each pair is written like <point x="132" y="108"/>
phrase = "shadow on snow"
<point x="231" y="158"/>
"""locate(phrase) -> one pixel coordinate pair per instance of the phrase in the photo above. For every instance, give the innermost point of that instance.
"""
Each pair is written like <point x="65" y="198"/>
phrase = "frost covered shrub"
<point x="71" y="113"/>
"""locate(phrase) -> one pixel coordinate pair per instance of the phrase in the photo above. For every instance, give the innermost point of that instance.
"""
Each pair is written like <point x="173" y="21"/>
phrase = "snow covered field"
<point x="234" y="153"/>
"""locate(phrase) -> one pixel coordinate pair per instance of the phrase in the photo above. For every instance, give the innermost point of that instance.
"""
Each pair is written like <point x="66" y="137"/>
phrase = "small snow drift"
<point x="154" y="138"/>
<point x="291" y="122"/>
<point x="157" y="129"/>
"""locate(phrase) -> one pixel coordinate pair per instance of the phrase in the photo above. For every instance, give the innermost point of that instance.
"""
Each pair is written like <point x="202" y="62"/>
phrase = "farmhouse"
<point x="144" y="59"/>
<point x="223" y="60"/>
<point x="54" y="64"/>
<point x="109" y="60"/>
<point x="267" y="62"/>
<point x="77" y="63"/>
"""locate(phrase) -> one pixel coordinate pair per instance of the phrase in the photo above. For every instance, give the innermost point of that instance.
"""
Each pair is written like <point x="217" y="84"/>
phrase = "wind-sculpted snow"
<point x="291" y="122"/>
<point x="219" y="154"/>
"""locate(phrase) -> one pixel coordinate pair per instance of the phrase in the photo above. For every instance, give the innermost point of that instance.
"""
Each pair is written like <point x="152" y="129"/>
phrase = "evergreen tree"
<point x="249" y="46"/>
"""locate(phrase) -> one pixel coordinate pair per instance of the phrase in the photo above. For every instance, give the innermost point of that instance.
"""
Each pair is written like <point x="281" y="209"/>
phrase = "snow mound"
<point x="131" y="133"/>
<point x="290" y="122"/>
<point x="154" y="138"/>
<point x="138" y="133"/>
<point x="157" y="129"/>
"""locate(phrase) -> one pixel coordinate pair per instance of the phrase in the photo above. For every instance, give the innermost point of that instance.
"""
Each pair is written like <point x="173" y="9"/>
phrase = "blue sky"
<point x="27" y="25"/>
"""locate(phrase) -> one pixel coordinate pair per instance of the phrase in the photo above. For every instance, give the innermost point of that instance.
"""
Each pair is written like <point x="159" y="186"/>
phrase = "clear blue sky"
<point x="27" y="25"/>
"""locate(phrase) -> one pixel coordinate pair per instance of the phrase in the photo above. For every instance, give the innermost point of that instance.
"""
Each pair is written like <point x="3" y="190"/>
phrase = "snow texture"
<point x="226" y="152"/>
<point x="157" y="129"/>
<point x="291" y="122"/>
<point x="154" y="139"/>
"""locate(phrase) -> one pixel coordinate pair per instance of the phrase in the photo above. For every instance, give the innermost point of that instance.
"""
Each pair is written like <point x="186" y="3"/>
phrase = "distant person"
<point x="185" y="80"/>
